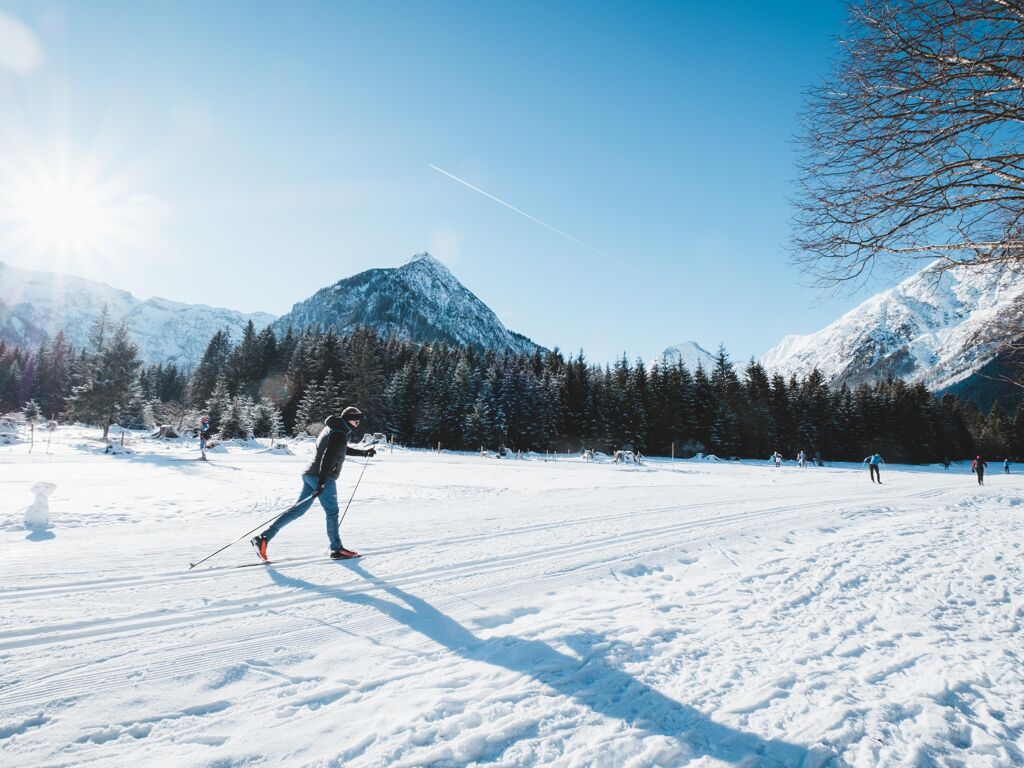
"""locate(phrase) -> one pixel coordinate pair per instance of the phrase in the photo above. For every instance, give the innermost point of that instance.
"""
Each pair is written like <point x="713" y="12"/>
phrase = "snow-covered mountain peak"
<point x="690" y="353"/>
<point x="428" y="260"/>
<point x="937" y="327"/>
<point x="35" y="305"/>
<point x="420" y="301"/>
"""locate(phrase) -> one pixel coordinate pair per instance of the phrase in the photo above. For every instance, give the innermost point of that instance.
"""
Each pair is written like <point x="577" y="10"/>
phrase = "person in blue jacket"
<point x="874" y="463"/>
<point x="319" y="481"/>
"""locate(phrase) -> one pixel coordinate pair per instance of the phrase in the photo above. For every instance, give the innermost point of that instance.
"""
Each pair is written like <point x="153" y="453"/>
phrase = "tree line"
<point x="465" y="398"/>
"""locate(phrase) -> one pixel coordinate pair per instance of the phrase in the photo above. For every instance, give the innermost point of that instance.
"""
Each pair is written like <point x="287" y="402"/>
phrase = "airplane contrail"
<point x="532" y="218"/>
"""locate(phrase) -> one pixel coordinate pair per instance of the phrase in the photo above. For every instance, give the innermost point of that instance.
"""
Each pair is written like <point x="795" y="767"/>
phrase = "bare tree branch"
<point x="913" y="148"/>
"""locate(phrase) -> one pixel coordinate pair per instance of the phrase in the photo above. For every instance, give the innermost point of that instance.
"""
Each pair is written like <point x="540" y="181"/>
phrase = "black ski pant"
<point x="981" y="477"/>
<point x="875" y="472"/>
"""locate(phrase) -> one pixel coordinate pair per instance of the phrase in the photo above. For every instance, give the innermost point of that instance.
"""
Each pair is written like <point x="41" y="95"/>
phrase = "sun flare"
<point x="72" y="213"/>
<point x="64" y="216"/>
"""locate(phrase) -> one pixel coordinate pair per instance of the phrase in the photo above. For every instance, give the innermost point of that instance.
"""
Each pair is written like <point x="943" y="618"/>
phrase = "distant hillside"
<point x="36" y="305"/>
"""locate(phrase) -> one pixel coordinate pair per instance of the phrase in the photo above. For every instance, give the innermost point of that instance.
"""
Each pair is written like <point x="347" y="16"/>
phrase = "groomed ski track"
<point x="724" y="606"/>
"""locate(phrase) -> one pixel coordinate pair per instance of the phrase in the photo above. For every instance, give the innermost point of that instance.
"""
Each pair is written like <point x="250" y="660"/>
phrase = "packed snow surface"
<point x="507" y="612"/>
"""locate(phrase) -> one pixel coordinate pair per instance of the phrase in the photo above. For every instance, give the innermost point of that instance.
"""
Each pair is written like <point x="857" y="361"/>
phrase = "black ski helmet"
<point x="351" y="414"/>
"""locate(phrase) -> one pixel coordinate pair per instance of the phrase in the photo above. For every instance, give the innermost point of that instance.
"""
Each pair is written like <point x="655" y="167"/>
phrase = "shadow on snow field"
<point x="592" y="681"/>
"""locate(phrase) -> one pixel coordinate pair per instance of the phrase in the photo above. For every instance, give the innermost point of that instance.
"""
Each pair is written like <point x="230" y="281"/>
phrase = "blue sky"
<point x="247" y="154"/>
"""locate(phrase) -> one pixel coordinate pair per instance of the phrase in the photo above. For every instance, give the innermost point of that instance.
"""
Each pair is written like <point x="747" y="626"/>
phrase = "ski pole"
<point x="311" y="496"/>
<point x="365" y="465"/>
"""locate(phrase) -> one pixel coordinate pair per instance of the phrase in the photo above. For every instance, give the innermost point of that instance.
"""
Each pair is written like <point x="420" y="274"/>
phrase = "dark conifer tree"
<point x="724" y="431"/>
<point x="212" y="366"/>
<point x="703" y="410"/>
<point x="756" y="427"/>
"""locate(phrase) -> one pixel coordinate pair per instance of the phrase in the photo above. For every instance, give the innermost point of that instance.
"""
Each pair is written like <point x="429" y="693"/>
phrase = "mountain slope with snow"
<point x="689" y="353"/>
<point x="935" y="327"/>
<point x="36" y="305"/>
<point x="420" y="301"/>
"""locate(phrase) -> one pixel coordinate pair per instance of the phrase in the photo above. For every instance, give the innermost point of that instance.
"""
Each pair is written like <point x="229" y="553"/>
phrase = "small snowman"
<point x="38" y="515"/>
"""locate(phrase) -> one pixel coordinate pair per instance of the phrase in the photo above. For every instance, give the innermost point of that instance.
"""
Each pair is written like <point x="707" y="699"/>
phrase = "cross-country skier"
<point x="319" y="481"/>
<point x="874" y="461"/>
<point x="777" y="458"/>
<point x="204" y="436"/>
<point x="801" y="459"/>
<point x="979" y="468"/>
<point x="1006" y="466"/>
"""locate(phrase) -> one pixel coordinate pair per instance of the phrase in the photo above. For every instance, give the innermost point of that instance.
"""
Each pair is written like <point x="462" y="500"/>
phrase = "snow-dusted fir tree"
<point x="218" y="402"/>
<point x="138" y="414"/>
<point x="266" y="419"/>
<point x="32" y="412"/>
<point x="311" y="409"/>
<point x="33" y="415"/>
<point x="477" y="423"/>
<point x="109" y="375"/>
<point x="235" y="421"/>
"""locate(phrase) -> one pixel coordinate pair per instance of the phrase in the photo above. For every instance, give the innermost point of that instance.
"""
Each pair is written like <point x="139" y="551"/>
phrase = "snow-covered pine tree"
<point x="32" y="412"/>
<point x="218" y="403"/>
<point x="311" y="409"/>
<point x="138" y="412"/>
<point x="266" y="419"/>
<point x="109" y="376"/>
<point x="235" y="422"/>
<point x="477" y="423"/>
<point x="33" y="415"/>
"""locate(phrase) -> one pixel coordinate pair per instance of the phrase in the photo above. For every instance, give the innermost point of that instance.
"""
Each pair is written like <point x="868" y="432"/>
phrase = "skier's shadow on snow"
<point x="589" y="679"/>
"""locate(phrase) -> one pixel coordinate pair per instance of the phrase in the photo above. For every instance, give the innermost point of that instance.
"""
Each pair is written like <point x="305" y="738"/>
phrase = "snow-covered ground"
<point x="508" y="612"/>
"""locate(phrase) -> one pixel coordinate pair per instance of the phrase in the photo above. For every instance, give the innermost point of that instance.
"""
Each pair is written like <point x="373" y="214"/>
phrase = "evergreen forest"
<point x="423" y="395"/>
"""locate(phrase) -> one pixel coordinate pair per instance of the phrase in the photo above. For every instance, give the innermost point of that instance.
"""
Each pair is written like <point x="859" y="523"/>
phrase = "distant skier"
<point x="777" y="458"/>
<point x="1006" y="466"/>
<point x="978" y="467"/>
<point x="204" y="433"/>
<point x="874" y="462"/>
<point x="801" y="459"/>
<point x="319" y="481"/>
